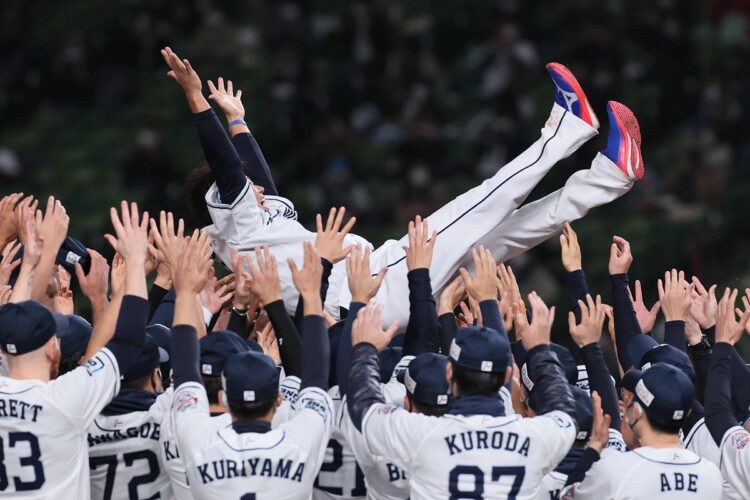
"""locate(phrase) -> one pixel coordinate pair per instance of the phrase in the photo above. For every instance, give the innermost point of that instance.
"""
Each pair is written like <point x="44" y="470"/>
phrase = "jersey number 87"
<point x="476" y="475"/>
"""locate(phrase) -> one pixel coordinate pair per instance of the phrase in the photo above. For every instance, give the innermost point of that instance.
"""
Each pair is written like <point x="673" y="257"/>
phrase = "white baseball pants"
<point x="489" y="215"/>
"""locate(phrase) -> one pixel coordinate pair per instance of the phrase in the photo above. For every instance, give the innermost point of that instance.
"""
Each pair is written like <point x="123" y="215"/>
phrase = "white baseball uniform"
<point x="43" y="430"/>
<point x="700" y="442"/>
<point x="170" y="453"/>
<point x="340" y="476"/>
<point x="279" y="464"/>
<point x="125" y="458"/>
<point x="735" y="460"/>
<point x="476" y="456"/>
<point x="647" y="473"/>
<point x="385" y="479"/>
<point x="485" y="215"/>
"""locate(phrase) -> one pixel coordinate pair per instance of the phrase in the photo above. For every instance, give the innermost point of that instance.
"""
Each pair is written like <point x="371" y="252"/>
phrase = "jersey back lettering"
<point x="43" y="426"/>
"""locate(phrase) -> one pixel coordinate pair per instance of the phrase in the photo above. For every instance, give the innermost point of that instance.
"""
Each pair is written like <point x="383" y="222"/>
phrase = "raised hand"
<point x="229" y="102"/>
<point x="483" y="285"/>
<point x="728" y="329"/>
<point x="307" y="280"/>
<point x="7" y="262"/>
<point x="600" y="425"/>
<point x="27" y="204"/>
<point x="510" y="293"/>
<point x="703" y="308"/>
<point x="8" y="225"/>
<point x="620" y="257"/>
<point x="95" y="284"/>
<point x="213" y="296"/>
<point x="367" y="328"/>
<point x="117" y="274"/>
<point x="589" y="331"/>
<point x="192" y="271"/>
<point x="693" y="333"/>
<point x="243" y="292"/>
<point x="329" y="241"/>
<point x="264" y="273"/>
<point x="169" y="240"/>
<point x="362" y="285"/>
<point x="269" y="343"/>
<point x="675" y="296"/>
<point x="646" y="317"/>
<point x="571" y="251"/>
<point x="5" y="294"/>
<point x="182" y="72"/>
<point x="131" y="230"/>
<point x="64" y="297"/>
<point x="53" y="227"/>
<point x="451" y="296"/>
<point x="538" y="331"/>
<point x="421" y="244"/>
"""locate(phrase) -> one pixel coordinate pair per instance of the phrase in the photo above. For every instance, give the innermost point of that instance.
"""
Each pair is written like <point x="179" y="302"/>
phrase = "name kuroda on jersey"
<point x="218" y="470"/>
<point x="15" y="408"/>
<point x="145" y="431"/>
<point x="484" y="440"/>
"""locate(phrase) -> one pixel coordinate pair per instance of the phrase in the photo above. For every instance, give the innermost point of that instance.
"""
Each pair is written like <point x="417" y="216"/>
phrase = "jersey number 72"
<point x="129" y="458"/>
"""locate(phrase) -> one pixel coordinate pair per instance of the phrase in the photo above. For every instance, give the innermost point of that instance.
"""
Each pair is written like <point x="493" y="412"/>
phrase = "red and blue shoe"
<point x="570" y="95"/>
<point x="624" y="141"/>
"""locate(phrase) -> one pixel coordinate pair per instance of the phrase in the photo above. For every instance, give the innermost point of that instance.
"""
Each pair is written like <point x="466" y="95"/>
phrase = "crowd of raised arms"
<point x="241" y="378"/>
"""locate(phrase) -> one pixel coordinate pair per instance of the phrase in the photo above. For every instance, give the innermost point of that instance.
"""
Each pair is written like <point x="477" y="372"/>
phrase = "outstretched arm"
<point x="573" y="263"/>
<point x="221" y="156"/>
<point x="422" y="331"/>
<point x="255" y="163"/>
<point x="626" y="321"/>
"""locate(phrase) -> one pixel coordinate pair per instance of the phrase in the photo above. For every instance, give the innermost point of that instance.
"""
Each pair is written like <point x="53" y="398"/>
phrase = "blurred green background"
<point x="391" y="108"/>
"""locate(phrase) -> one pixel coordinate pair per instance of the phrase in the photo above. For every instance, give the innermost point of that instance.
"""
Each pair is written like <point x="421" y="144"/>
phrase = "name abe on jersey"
<point x="147" y="430"/>
<point x="484" y="440"/>
<point x="218" y="470"/>
<point x="679" y="482"/>
<point x="15" y="408"/>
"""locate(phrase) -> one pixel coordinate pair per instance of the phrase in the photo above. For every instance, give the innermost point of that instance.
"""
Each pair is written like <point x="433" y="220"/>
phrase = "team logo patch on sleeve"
<point x="186" y="400"/>
<point x="739" y="439"/>
<point x="561" y="422"/>
<point x="94" y="366"/>
<point x="386" y="409"/>
<point x="317" y="406"/>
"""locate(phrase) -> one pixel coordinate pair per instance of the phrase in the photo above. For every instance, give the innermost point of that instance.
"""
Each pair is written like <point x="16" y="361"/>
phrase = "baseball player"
<point x="242" y="216"/>
<point x="660" y="467"/>
<point x="474" y="451"/>
<point x="732" y="438"/>
<point x="124" y="450"/>
<point x="43" y="419"/>
<point x="249" y="460"/>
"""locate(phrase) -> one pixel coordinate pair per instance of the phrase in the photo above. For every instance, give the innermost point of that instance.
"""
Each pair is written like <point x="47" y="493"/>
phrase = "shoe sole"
<point x="631" y="163"/>
<point x="587" y="112"/>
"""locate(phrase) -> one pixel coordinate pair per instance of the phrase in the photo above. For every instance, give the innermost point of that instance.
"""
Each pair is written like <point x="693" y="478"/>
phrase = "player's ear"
<point x="407" y="406"/>
<point x="449" y="372"/>
<point x="508" y="374"/>
<point x="279" y="399"/>
<point x="156" y="381"/>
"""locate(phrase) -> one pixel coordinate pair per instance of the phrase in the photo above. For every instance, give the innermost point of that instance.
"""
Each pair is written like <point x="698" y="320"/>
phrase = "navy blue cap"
<point x="217" y="348"/>
<point x="150" y="357"/>
<point x="638" y="346"/>
<point x="665" y="353"/>
<point x="161" y="335"/>
<point x="72" y="251"/>
<point x="389" y="358"/>
<point x="480" y="349"/>
<point x="74" y="338"/>
<point x="630" y="379"/>
<point x="425" y="379"/>
<point x="249" y="377"/>
<point x="27" y="326"/>
<point x="664" y="392"/>
<point x="568" y="363"/>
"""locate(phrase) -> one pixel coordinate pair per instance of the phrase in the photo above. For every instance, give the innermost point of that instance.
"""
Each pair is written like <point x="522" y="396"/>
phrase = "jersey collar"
<point x="254" y="426"/>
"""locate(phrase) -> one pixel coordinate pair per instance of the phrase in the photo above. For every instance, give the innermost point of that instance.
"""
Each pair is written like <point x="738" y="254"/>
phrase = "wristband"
<point x="238" y="121"/>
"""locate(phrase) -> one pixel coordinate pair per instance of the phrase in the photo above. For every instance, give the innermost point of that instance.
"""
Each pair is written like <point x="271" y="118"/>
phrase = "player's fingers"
<point x="230" y="87"/>
<point x="318" y="223"/>
<point x="339" y="219"/>
<point x="239" y="95"/>
<point x="331" y="218"/>
<point x="349" y="225"/>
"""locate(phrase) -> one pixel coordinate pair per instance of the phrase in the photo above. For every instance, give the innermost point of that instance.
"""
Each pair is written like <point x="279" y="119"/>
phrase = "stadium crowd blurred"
<point x="388" y="107"/>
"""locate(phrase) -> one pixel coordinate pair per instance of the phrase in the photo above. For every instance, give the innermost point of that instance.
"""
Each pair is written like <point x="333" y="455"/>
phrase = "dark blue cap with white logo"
<point x="149" y="359"/>
<point x="425" y="379"/>
<point x="217" y="348"/>
<point x="249" y="377"/>
<point x="665" y="353"/>
<point x="480" y="349"/>
<point x="664" y="392"/>
<point x="27" y="326"/>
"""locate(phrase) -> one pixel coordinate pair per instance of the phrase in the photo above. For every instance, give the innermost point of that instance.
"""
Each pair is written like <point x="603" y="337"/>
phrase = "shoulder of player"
<point x="736" y="437"/>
